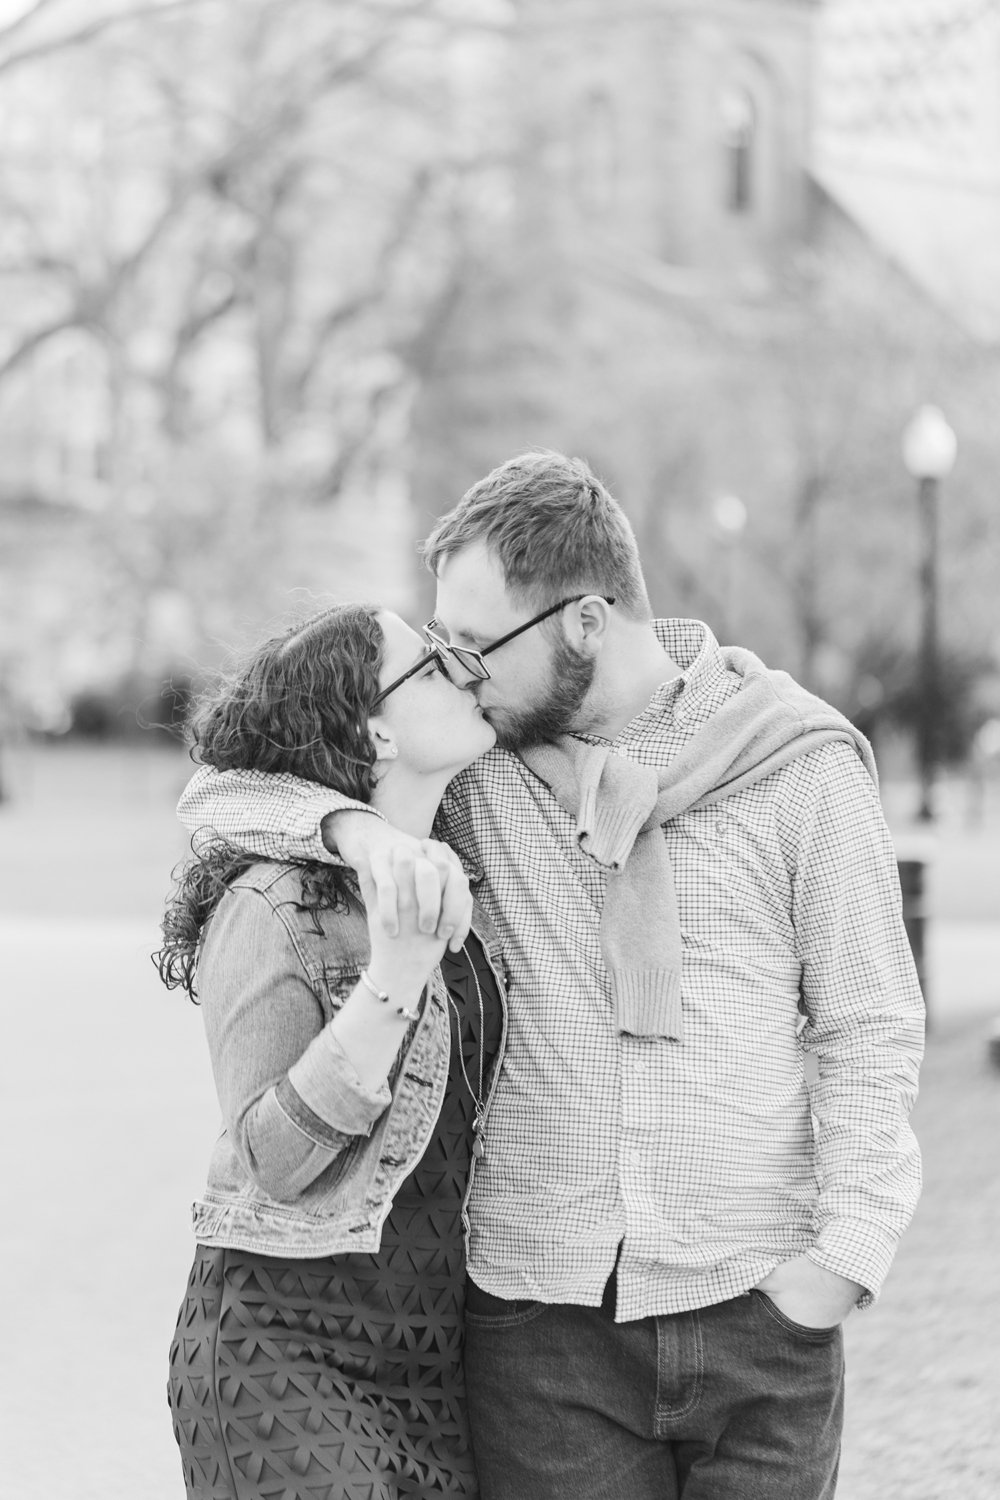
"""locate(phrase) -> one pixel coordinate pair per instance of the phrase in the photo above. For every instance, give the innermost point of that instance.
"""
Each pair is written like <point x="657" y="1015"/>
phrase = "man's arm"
<point x="279" y="816"/>
<point x="865" y="1019"/>
<point x="269" y="813"/>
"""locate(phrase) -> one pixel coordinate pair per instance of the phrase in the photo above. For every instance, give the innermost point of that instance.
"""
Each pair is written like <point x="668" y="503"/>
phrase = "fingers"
<point x="380" y="890"/>
<point x="409" y="886"/>
<point x="454" y="917"/>
<point x="427" y="895"/>
<point x="407" y="890"/>
<point x="418" y="885"/>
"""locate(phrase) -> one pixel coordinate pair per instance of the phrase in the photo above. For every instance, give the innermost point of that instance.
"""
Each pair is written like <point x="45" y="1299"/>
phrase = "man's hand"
<point x="809" y="1294"/>
<point x="405" y="875"/>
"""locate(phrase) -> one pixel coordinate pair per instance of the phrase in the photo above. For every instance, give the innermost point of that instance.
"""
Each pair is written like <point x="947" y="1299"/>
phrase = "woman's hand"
<point x="400" y="965"/>
<point x="403" y="957"/>
<point x="405" y="875"/>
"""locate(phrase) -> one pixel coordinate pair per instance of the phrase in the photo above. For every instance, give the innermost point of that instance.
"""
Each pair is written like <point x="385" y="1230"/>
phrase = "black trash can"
<point x="911" y="883"/>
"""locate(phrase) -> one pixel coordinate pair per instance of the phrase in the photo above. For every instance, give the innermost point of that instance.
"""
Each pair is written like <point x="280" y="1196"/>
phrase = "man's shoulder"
<point x="832" y="761"/>
<point x="831" y="780"/>
<point x="492" y="770"/>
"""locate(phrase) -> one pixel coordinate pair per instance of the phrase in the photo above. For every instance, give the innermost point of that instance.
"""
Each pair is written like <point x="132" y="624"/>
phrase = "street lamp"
<point x="929" y="448"/>
<point x="730" y="517"/>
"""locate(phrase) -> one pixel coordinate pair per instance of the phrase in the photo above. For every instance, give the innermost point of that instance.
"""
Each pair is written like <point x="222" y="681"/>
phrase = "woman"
<point x="318" y="1349"/>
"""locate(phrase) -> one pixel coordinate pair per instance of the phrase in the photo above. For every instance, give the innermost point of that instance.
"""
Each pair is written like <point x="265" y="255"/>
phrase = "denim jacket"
<point x="309" y="1159"/>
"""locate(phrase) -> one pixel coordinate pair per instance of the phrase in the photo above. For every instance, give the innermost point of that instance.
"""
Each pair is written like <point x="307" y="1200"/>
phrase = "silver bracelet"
<point x="401" y="1010"/>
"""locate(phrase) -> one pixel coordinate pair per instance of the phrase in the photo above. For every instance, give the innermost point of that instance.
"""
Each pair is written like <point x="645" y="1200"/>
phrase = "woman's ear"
<point x="385" y="746"/>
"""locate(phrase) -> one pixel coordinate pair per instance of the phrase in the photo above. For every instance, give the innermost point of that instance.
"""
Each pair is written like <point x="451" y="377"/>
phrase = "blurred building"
<point x="261" y="321"/>
<point x="677" y="132"/>
<point x="907" y="141"/>
<point x="695" y="137"/>
<point x="746" y="237"/>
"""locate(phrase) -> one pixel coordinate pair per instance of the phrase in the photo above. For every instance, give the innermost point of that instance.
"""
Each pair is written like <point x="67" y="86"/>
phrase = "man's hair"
<point x="554" y="529"/>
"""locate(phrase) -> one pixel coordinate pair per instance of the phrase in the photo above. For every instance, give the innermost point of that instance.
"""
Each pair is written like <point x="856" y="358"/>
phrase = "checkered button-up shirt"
<point x="711" y="1159"/>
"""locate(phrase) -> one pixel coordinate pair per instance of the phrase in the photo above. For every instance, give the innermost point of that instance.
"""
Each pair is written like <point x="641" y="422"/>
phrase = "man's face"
<point x="539" y="680"/>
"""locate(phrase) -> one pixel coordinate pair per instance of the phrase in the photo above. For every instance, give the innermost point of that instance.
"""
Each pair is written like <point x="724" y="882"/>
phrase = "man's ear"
<point x="591" y="621"/>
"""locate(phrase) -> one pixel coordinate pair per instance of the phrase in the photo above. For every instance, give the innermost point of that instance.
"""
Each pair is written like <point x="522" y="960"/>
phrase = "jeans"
<point x="732" y="1402"/>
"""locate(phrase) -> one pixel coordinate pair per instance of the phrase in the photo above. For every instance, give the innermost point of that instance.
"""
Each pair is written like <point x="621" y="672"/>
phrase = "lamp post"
<point x="929" y="448"/>
<point x="730" y="517"/>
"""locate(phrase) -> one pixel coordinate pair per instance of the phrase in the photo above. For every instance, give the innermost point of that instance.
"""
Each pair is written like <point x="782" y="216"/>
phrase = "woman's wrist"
<point x="370" y="1030"/>
<point x="399" y="1000"/>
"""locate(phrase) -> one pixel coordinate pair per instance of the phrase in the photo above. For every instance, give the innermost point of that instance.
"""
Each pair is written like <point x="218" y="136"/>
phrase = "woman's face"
<point x="434" y="725"/>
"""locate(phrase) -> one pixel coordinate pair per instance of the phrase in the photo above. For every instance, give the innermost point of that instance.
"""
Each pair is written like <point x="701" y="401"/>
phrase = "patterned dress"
<point x="341" y="1378"/>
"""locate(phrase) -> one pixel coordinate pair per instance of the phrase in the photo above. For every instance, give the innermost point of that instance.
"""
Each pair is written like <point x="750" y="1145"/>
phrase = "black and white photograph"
<point x="500" y="749"/>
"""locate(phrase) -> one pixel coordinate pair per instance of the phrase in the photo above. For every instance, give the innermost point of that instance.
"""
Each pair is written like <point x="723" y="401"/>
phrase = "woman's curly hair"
<point x="299" y="704"/>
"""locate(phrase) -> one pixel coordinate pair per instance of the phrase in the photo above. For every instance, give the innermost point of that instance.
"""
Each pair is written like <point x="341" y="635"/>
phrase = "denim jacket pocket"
<point x="336" y="983"/>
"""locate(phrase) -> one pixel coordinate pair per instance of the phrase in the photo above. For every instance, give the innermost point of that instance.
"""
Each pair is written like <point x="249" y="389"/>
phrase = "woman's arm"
<point x="294" y="1089"/>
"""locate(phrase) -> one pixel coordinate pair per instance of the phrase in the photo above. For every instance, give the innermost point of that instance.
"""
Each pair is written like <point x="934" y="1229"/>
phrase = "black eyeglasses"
<point x="472" y="661"/>
<point x="434" y="656"/>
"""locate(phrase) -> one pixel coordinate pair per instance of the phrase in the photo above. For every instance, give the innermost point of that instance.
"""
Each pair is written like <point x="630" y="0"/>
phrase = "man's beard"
<point x="553" y="715"/>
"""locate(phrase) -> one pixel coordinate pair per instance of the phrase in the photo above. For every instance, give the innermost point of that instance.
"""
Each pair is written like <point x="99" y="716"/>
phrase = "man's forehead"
<point x="471" y="593"/>
<point x="471" y="565"/>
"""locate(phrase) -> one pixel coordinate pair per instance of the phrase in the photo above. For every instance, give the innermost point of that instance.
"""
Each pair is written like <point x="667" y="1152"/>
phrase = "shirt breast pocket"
<point x="733" y="890"/>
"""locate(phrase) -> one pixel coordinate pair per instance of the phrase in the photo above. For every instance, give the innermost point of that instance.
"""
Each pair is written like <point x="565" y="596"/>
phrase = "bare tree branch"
<point x="76" y="318"/>
<point x="91" y="302"/>
<point x="25" y="19"/>
<point x="85" y="34"/>
<point x="338" y="317"/>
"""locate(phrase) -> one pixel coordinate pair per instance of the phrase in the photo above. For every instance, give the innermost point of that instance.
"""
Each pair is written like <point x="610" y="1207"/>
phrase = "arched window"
<point x="739" y="139"/>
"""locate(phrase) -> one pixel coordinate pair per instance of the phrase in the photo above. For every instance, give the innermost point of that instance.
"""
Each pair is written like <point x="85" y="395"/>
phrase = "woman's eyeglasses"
<point x="434" y="657"/>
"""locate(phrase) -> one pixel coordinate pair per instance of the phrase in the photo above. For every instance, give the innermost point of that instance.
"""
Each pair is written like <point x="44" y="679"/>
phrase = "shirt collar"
<point x="694" y="648"/>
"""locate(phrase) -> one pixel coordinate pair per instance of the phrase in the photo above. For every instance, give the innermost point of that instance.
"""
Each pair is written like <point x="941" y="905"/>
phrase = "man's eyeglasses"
<point x="473" y="661"/>
<point x="446" y="658"/>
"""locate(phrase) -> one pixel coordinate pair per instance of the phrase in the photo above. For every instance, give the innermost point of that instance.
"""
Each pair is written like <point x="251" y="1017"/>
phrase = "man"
<point x="687" y="861"/>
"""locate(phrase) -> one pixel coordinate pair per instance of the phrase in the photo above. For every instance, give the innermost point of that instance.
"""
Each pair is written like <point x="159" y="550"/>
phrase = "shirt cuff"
<point x="326" y="1098"/>
<point x="859" y="1251"/>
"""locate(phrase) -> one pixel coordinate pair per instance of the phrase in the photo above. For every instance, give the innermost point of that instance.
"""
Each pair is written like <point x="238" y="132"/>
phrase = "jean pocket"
<point x="798" y="1330"/>
<point x="489" y="1311"/>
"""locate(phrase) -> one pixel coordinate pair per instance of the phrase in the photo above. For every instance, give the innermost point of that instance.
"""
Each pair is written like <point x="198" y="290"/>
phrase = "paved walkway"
<point x="107" y="1112"/>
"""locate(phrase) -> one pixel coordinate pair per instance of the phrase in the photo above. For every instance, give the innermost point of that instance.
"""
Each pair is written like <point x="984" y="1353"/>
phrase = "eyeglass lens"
<point x="470" y="661"/>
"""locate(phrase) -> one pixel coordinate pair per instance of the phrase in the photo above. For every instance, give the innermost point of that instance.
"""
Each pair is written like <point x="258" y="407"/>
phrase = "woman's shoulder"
<point x="319" y="893"/>
<point x="269" y="898"/>
<point x="277" y="880"/>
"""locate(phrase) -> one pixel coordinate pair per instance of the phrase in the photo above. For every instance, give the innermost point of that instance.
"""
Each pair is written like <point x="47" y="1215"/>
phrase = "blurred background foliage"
<point x="282" y="277"/>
